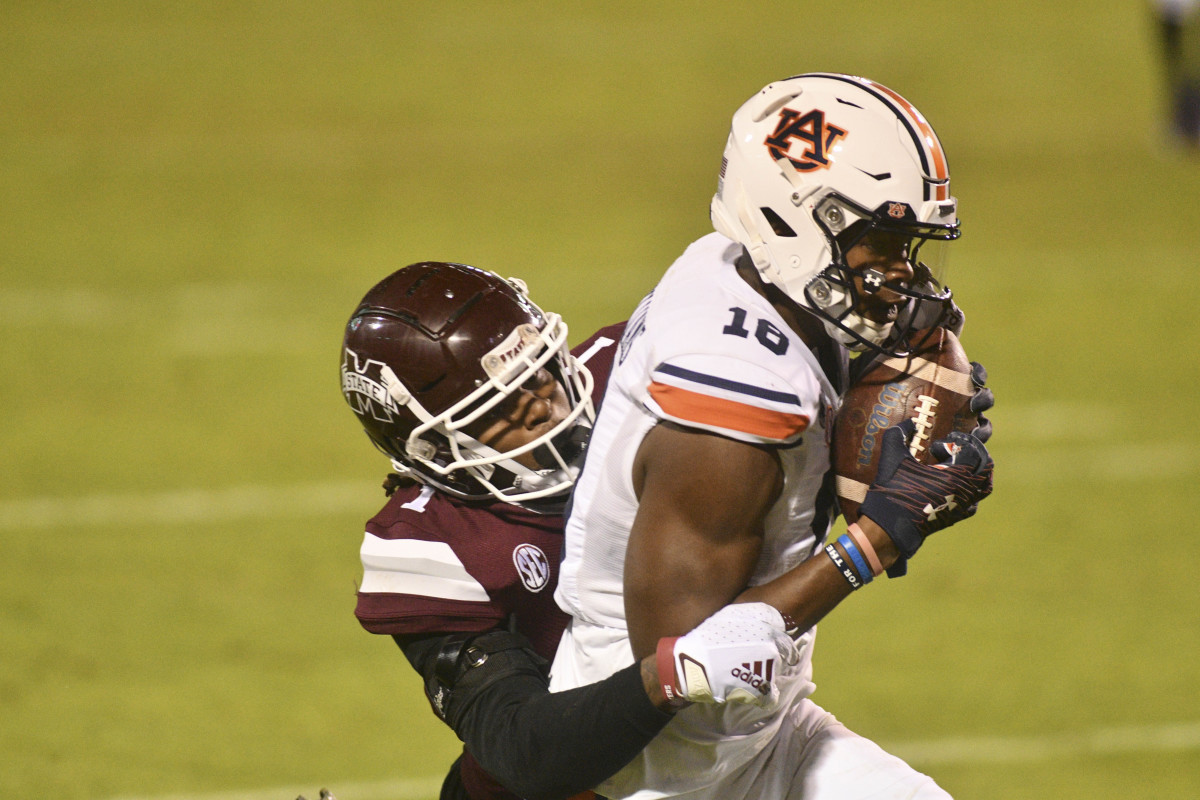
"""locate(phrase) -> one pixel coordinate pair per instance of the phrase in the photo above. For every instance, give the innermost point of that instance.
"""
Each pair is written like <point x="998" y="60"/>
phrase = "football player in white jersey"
<point x="707" y="477"/>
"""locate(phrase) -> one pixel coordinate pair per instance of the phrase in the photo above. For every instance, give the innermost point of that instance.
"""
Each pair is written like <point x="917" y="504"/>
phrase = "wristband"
<point x="847" y="572"/>
<point x="665" y="656"/>
<point x="860" y="563"/>
<point x="864" y="544"/>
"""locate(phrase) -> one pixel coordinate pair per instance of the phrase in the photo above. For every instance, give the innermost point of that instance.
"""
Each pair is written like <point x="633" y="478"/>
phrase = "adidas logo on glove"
<point x="728" y="658"/>
<point x="758" y="673"/>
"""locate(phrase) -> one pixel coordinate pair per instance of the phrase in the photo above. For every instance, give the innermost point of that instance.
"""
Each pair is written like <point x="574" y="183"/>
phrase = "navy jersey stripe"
<point x="728" y="385"/>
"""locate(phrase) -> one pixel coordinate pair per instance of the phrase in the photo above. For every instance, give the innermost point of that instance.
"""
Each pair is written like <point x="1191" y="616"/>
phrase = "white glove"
<point x="730" y="657"/>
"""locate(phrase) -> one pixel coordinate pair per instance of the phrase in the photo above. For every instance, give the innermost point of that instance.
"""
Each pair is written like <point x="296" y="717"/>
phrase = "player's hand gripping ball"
<point x="937" y="387"/>
<point x="911" y="500"/>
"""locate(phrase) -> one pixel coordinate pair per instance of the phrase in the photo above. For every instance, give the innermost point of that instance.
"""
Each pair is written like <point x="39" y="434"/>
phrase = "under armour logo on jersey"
<point x="533" y="566"/>
<point x="810" y="129"/>
<point x="756" y="673"/>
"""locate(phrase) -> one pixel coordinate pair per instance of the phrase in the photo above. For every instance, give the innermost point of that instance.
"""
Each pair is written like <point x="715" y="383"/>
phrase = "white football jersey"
<point x="706" y="351"/>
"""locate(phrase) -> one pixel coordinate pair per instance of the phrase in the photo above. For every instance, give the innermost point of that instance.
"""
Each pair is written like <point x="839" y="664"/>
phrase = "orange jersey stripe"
<point x="717" y="412"/>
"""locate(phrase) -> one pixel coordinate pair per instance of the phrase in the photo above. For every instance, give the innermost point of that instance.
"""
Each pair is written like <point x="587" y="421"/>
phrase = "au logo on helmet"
<point x="812" y="130"/>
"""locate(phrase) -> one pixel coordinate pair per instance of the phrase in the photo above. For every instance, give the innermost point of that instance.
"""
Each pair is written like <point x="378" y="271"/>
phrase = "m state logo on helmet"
<point x="365" y="388"/>
<point x="436" y="347"/>
<point x="809" y="157"/>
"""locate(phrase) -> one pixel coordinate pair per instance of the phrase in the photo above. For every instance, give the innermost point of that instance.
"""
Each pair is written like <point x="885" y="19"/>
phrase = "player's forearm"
<point x="809" y="591"/>
<point x="653" y="686"/>
<point x="542" y="745"/>
<point x="806" y="593"/>
<point x="885" y="548"/>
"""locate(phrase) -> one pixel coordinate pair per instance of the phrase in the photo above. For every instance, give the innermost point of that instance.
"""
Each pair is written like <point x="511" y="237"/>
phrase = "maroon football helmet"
<point x="435" y="347"/>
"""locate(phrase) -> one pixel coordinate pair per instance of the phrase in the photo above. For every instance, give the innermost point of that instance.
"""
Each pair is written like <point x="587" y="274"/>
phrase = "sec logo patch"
<point x="533" y="566"/>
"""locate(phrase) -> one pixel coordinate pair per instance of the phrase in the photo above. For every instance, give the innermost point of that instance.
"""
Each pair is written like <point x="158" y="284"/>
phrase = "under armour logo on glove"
<point x="911" y="500"/>
<point x="931" y="512"/>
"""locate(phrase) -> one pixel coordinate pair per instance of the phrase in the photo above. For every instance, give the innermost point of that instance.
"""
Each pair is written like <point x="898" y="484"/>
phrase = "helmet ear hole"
<point x="777" y="224"/>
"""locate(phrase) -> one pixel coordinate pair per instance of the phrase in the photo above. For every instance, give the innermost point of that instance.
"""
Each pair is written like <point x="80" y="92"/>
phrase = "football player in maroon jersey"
<point x="469" y="388"/>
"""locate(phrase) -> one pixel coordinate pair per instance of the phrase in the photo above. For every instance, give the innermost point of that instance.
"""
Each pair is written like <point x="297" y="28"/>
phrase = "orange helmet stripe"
<point x="941" y="171"/>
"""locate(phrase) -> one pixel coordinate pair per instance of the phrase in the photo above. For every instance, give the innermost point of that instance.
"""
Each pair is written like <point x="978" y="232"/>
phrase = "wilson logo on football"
<point x="810" y="129"/>
<point x="757" y="674"/>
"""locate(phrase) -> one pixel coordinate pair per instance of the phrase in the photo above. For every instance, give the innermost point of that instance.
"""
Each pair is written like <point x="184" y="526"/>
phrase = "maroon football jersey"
<point x="432" y="564"/>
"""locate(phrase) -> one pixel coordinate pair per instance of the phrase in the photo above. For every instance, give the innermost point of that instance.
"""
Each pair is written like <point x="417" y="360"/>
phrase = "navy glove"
<point x="981" y="401"/>
<point x="911" y="500"/>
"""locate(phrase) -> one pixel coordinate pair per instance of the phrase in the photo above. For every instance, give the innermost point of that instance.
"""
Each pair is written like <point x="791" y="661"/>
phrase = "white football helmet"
<point x="815" y="162"/>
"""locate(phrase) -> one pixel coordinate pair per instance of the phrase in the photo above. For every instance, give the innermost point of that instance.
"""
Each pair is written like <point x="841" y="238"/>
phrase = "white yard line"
<point x="187" y="506"/>
<point x="1131" y="739"/>
<point x="1023" y="465"/>
<point x="1173" y="737"/>
<point x="207" y="320"/>
<point x="1058" y="464"/>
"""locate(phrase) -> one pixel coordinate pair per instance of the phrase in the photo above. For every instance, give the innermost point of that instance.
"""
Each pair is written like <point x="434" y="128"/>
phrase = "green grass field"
<point x="194" y="196"/>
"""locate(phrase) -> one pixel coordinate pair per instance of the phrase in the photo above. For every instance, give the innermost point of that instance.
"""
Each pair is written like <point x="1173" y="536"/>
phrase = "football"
<point x="932" y="387"/>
